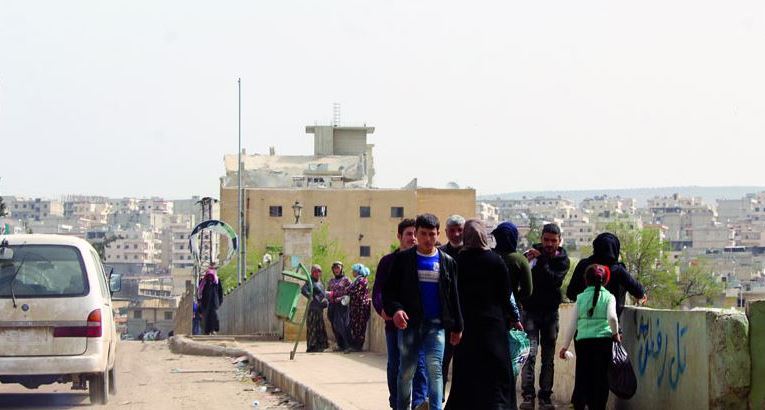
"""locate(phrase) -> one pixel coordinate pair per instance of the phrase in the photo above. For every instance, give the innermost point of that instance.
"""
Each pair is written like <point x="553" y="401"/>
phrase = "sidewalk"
<point x="326" y="380"/>
<point x="323" y="380"/>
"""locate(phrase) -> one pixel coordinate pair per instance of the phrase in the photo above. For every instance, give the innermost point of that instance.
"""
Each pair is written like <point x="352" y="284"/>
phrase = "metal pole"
<point x="240" y="264"/>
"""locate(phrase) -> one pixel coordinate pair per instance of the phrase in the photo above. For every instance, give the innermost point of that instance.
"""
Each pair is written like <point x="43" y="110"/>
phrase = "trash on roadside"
<point x="263" y="388"/>
<point x="255" y="403"/>
<point x="240" y="359"/>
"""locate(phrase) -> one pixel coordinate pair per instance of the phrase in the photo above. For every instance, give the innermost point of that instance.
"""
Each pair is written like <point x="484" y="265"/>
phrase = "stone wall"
<point x="756" y="314"/>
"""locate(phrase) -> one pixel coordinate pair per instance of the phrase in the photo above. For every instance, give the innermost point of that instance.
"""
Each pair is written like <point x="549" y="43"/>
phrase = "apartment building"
<point x="135" y="251"/>
<point x="34" y="209"/>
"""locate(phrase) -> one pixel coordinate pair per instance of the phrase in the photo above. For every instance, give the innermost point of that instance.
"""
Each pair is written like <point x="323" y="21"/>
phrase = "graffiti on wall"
<point x="663" y="348"/>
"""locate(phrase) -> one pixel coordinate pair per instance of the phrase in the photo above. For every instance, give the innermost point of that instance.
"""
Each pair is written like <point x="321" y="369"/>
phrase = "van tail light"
<point x="93" y="328"/>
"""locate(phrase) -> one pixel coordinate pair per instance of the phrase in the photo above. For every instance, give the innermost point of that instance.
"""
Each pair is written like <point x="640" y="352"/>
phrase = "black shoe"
<point x="546" y="404"/>
<point x="528" y="403"/>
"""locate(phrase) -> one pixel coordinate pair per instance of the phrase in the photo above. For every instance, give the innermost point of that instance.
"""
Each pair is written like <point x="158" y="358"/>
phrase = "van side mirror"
<point x="115" y="282"/>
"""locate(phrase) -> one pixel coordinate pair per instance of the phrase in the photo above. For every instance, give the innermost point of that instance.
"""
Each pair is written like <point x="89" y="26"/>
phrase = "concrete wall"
<point x="251" y="308"/>
<point x="682" y="359"/>
<point x="756" y="314"/>
<point x="185" y="312"/>
<point x="687" y="359"/>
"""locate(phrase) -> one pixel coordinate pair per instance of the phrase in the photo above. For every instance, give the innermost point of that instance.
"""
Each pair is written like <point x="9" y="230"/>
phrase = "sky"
<point x="139" y="98"/>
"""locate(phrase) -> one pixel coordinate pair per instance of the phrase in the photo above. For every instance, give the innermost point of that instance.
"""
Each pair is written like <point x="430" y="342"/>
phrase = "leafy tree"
<point x="696" y="283"/>
<point x="3" y="208"/>
<point x="533" y="236"/>
<point x="325" y="251"/>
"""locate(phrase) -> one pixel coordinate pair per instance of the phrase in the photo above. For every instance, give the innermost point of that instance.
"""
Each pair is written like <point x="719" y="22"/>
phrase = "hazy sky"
<point x="138" y="98"/>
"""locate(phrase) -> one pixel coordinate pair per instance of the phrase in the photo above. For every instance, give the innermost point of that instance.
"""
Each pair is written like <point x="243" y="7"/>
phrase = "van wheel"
<point x="113" y="380"/>
<point x="98" y="387"/>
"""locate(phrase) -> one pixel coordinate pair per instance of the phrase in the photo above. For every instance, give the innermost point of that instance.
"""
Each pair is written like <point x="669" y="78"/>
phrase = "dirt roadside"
<point x="149" y="376"/>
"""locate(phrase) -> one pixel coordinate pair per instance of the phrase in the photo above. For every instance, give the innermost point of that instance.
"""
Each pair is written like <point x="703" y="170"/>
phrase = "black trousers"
<point x="591" y="384"/>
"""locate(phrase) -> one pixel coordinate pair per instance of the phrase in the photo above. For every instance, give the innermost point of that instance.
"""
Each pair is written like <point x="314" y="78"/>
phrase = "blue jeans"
<point x="420" y="393"/>
<point x="428" y="337"/>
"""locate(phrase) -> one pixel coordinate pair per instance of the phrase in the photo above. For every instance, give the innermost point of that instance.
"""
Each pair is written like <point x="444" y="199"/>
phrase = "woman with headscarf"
<point x="605" y="251"/>
<point x="483" y="374"/>
<point x="337" y="294"/>
<point x="506" y="238"/>
<point x="210" y="297"/>
<point x="359" y="306"/>
<point x="316" y="333"/>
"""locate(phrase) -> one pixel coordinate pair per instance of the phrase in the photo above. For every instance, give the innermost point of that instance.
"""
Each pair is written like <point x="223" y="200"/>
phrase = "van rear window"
<point x="43" y="271"/>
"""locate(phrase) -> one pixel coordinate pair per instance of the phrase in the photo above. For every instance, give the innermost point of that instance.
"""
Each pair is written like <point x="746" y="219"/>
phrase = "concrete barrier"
<point x="251" y="307"/>
<point x="756" y="313"/>
<point x="695" y="359"/>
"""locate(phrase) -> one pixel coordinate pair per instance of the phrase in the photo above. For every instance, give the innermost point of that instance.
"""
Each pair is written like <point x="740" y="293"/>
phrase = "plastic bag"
<point x="621" y="376"/>
<point x="520" y="347"/>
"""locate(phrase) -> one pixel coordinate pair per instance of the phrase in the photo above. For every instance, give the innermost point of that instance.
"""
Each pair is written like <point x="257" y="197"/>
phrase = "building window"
<point x="135" y="246"/>
<point x="397" y="212"/>
<point x="168" y="315"/>
<point x="365" y="251"/>
<point x="320" y="211"/>
<point x="365" y="211"/>
<point x="138" y="314"/>
<point x="275" y="211"/>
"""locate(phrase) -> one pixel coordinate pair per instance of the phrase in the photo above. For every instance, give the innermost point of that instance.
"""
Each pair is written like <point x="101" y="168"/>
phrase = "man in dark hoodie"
<point x="605" y="251"/>
<point x="549" y="265"/>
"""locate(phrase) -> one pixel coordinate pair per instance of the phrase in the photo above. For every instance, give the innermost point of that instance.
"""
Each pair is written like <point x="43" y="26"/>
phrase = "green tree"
<point x="3" y="208"/>
<point x="325" y="251"/>
<point x="696" y="284"/>
<point x="533" y="236"/>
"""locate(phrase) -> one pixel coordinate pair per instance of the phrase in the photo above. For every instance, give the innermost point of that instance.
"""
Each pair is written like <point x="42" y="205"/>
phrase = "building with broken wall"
<point x="335" y="188"/>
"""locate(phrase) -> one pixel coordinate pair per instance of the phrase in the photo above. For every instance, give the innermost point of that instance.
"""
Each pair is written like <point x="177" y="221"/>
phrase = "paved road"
<point x="149" y="376"/>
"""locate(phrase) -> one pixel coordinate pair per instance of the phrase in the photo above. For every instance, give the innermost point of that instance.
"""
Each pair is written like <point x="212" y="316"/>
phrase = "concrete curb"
<point x="184" y="345"/>
<point x="300" y="391"/>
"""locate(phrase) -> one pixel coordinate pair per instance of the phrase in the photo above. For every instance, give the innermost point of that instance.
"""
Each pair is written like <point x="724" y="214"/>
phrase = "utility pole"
<point x="241" y="266"/>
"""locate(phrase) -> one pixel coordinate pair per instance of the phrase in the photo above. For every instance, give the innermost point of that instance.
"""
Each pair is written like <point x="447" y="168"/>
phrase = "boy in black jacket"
<point x="421" y="297"/>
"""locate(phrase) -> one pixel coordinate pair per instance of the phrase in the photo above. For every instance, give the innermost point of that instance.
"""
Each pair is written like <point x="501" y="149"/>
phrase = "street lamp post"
<point x="297" y="209"/>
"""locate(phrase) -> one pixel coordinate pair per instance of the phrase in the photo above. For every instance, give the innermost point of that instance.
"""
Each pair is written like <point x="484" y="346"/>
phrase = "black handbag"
<point x="621" y="376"/>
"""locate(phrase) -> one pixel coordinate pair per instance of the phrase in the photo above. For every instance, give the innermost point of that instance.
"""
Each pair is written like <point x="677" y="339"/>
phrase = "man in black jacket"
<point x="421" y="297"/>
<point x="455" y="225"/>
<point x="605" y="251"/>
<point x="549" y="265"/>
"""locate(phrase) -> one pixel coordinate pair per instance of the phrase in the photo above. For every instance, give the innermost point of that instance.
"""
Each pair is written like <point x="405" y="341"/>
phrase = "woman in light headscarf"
<point x="360" y="306"/>
<point x="483" y="374"/>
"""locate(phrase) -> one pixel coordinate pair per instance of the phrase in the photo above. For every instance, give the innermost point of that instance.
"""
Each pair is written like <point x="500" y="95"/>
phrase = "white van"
<point x="56" y="319"/>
